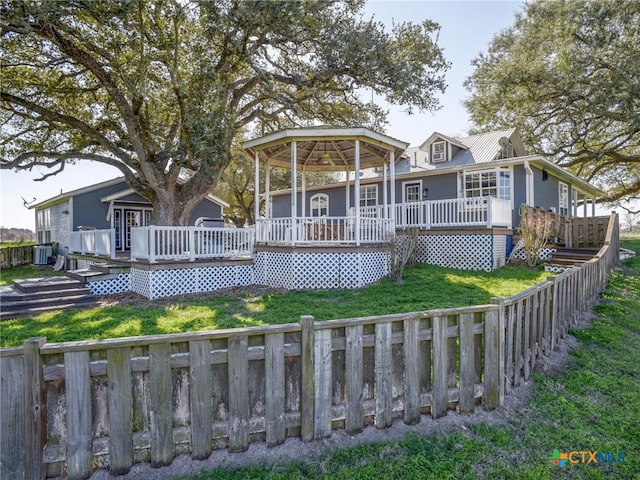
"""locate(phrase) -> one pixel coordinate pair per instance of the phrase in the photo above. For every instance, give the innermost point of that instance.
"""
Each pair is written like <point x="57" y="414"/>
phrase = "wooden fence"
<point x="16" y="256"/>
<point x="68" y="408"/>
<point x="577" y="232"/>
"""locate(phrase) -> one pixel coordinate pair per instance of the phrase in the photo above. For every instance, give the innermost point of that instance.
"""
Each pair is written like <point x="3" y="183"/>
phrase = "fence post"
<point x="492" y="367"/>
<point x="35" y="398"/>
<point x="307" y="382"/>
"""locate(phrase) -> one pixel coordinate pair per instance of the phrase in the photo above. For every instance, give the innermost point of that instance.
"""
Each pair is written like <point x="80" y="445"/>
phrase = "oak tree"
<point x="160" y="88"/>
<point x="567" y="74"/>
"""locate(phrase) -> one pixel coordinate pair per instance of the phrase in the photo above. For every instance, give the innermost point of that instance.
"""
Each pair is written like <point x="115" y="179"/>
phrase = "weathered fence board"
<point x="200" y="397"/>
<point x="120" y="405"/>
<point x="354" y="377"/>
<point x="384" y="366"/>
<point x="161" y="408"/>
<point x="275" y="389"/>
<point x="13" y="416"/>
<point x="238" y="393"/>
<point x="413" y="365"/>
<point x="79" y="436"/>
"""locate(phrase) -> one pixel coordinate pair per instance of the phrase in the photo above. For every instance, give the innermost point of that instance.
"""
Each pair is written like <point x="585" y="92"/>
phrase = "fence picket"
<point x="200" y="396"/>
<point x="307" y="381"/>
<point x="238" y="365"/>
<point x="492" y="367"/>
<point x="120" y="405"/>
<point x="274" y="388"/>
<point x="384" y="371"/>
<point x="354" y="366"/>
<point x="13" y="416"/>
<point x="322" y="369"/>
<point x="412" y="365"/>
<point x="439" y="343"/>
<point x="161" y="404"/>
<point x="467" y="363"/>
<point x="79" y="435"/>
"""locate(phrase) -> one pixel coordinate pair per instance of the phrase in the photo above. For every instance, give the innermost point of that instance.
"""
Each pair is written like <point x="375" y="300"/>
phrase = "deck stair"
<point x="32" y="296"/>
<point x="566" y="258"/>
<point x="99" y="271"/>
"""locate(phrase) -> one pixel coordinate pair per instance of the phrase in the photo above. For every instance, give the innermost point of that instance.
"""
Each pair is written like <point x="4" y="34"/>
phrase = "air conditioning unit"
<point x="41" y="254"/>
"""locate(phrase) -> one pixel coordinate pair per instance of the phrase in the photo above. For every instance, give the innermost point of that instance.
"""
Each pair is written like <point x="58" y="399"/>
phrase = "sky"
<point x="466" y="30"/>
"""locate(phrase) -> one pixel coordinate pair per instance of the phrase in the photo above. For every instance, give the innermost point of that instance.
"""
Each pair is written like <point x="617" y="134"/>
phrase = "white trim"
<point x="404" y="190"/>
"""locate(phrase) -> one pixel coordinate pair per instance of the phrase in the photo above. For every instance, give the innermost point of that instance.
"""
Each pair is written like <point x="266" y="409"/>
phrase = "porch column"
<point x="385" y="197"/>
<point x="304" y="194"/>
<point x="347" y="196"/>
<point x="593" y="207"/>
<point x="256" y="190"/>
<point x="267" y="188"/>
<point x="584" y="205"/>
<point x="294" y="193"/>
<point x="356" y="193"/>
<point x="392" y="164"/>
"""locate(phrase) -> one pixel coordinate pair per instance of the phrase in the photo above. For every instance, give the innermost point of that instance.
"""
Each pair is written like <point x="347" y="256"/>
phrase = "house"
<point x="109" y="205"/>
<point x="461" y="195"/>
<point x="492" y="164"/>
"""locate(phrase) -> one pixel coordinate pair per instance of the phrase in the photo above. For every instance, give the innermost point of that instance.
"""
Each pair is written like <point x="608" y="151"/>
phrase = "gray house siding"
<point x="60" y="225"/>
<point x="89" y="211"/>
<point x="545" y="192"/>
<point x="519" y="192"/>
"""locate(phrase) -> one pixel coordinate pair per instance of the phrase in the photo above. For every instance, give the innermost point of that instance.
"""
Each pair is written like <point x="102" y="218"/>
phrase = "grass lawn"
<point x="425" y="287"/>
<point x="592" y="404"/>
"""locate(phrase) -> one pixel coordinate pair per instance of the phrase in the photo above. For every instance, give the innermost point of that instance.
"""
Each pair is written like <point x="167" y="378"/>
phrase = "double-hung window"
<point x="43" y="225"/>
<point x="439" y="152"/>
<point x="368" y="200"/>
<point x="320" y="205"/>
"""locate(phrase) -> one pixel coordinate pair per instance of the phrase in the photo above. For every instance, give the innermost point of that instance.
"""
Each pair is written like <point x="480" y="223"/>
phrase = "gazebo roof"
<point x="325" y="148"/>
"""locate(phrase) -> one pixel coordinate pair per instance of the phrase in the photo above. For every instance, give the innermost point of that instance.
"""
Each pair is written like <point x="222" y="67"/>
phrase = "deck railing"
<point x="323" y="230"/>
<point x="94" y="242"/>
<point x="455" y="212"/>
<point x="155" y="243"/>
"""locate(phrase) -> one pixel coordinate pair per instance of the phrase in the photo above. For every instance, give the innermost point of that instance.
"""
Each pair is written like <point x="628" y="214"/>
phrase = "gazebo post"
<point x="267" y="189"/>
<point x="356" y="190"/>
<point x="304" y="193"/>
<point x="294" y="193"/>
<point x="385" y="197"/>
<point x="392" y="163"/>
<point x="347" y="202"/>
<point x="256" y="188"/>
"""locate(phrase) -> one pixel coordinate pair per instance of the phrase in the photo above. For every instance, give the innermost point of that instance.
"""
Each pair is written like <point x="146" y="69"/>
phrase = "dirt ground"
<point x="515" y="404"/>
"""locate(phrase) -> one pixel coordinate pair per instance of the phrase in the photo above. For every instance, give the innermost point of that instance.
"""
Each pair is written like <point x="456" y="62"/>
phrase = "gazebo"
<point x="325" y="149"/>
<point x="322" y="251"/>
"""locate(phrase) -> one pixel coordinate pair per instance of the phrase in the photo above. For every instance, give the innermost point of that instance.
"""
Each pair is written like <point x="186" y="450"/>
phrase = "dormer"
<point x="441" y="148"/>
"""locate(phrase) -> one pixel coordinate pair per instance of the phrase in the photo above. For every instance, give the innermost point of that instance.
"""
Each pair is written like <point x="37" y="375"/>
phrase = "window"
<point x="506" y="151"/>
<point x="368" y="196"/>
<point x="492" y="183"/>
<point x="320" y="205"/>
<point x="439" y="152"/>
<point x="43" y="226"/>
<point x="563" y="198"/>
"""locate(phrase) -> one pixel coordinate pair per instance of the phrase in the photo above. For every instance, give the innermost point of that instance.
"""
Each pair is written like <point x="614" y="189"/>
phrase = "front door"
<point x="124" y="219"/>
<point x="132" y="218"/>
<point x="412" y="205"/>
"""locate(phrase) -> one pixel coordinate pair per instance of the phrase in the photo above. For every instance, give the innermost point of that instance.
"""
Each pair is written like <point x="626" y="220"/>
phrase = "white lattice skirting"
<point x="165" y="283"/>
<point x="120" y="284"/>
<point x="519" y="253"/>
<point x="319" y="270"/>
<point x="465" y="252"/>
